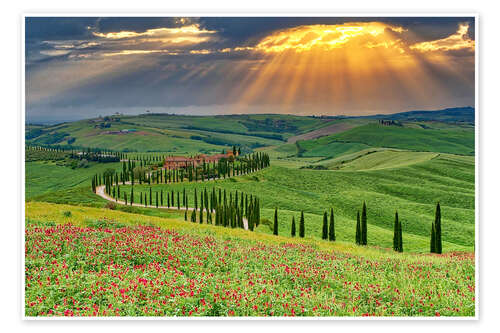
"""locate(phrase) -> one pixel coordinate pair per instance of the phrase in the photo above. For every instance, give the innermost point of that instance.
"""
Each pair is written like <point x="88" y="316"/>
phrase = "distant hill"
<point x="454" y="115"/>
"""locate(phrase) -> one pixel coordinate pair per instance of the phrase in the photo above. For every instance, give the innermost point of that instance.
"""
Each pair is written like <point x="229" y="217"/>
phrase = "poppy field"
<point x="126" y="267"/>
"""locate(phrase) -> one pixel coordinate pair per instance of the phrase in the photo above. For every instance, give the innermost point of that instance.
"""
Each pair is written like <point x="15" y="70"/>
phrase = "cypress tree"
<point x="132" y="196"/>
<point x="150" y="197"/>
<point x="324" y="234"/>
<point x="193" y="215"/>
<point x="400" y="235"/>
<point x="437" y="222"/>
<point x="395" y="239"/>
<point x="195" y="200"/>
<point x="125" y="194"/>
<point x="302" y="227"/>
<point x="178" y="201"/>
<point x="363" y="226"/>
<point x="275" y="227"/>
<point x="293" y="226"/>
<point x="433" y="238"/>
<point x="331" y="231"/>
<point x="156" y="199"/>
<point x="185" y="215"/>
<point x="358" y="230"/>
<point x="201" y="215"/>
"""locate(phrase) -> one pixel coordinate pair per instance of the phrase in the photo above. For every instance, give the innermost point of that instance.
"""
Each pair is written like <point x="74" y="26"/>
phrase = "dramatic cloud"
<point x="225" y="65"/>
<point x="458" y="41"/>
<point x="326" y="37"/>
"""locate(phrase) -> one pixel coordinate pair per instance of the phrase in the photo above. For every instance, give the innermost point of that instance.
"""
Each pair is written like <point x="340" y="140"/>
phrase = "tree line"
<point x="215" y="206"/>
<point x="361" y="234"/>
<point x="136" y="172"/>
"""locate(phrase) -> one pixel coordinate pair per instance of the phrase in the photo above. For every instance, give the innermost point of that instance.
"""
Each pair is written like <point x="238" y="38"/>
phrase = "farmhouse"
<point x="174" y="162"/>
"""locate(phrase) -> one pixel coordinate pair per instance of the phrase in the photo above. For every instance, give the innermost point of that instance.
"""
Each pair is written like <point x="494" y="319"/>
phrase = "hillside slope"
<point x="456" y="141"/>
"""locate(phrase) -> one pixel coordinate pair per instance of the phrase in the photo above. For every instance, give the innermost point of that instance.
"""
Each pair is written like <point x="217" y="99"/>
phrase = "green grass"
<point x="97" y="262"/>
<point x="46" y="177"/>
<point x="181" y="134"/>
<point x="384" y="159"/>
<point x="454" y="141"/>
<point x="413" y="190"/>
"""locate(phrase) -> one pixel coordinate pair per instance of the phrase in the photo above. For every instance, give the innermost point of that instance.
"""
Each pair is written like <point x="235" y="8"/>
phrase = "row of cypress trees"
<point x="328" y="230"/>
<point x="206" y="171"/>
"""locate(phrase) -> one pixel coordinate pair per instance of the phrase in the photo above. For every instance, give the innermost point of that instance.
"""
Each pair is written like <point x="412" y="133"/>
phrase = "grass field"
<point x="385" y="159"/>
<point x="454" y="141"/>
<point x="46" y="177"/>
<point x="448" y="179"/>
<point x="87" y="256"/>
<point x="95" y="262"/>
<point x="176" y="134"/>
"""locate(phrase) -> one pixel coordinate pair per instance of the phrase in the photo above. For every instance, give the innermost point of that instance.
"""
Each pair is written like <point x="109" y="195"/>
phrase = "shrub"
<point x="83" y="163"/>
<point x="67" y="213"/>
<point x="111" y="205"/>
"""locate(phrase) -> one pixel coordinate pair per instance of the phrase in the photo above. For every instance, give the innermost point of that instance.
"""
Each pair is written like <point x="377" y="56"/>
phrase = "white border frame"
<point x="268" y="13"/>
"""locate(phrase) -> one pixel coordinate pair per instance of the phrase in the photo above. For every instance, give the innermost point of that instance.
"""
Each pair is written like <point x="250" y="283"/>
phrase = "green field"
<point x="454" y="141"/>
<point x="384" y="159"/>
<point x="47" y="177"/>
<point x="446" y="178"/>
<point x="175" y="134"/>
<point x="407" y="168"/>
<point x="96" y="262"/>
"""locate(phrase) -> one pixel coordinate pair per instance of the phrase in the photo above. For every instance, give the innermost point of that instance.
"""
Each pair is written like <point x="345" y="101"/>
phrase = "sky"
<point x="83" y="67"/>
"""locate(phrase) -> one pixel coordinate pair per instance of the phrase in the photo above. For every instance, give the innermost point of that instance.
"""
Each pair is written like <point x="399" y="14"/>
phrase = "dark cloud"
<point x="56" y="28"/>
<point x="69" y="68"/>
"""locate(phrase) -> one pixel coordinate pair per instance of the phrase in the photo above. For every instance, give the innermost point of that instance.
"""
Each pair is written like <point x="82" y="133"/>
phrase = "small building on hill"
<point x="175" y="162"/>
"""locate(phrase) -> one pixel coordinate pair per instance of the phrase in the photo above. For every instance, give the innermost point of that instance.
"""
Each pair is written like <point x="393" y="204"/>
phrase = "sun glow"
<point x="193" y="29"/>
<point x="326" y="37"/>
<point x="355" y="64"/>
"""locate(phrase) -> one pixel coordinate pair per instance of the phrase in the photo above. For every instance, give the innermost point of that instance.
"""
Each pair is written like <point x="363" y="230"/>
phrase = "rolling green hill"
<point x="453" y="141"/>
<point x="382" y="159"/>
<point x="406" y="168"/>
<point x="413" y="190"/>
<point x="173" y="133"/>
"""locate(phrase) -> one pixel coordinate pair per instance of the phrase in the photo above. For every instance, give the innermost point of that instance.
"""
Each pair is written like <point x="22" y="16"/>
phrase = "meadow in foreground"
<point x="127" y="266"/>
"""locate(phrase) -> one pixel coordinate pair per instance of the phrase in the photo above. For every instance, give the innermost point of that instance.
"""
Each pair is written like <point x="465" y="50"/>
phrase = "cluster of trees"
<point x="214" y="207"/>
<point x="328" y="229"/>
<point x="137" y="172"/>
<point x="389" y="122"/>
<point x="96" y="156"/>
<point x="232" y="212"/>
<point x="89" y="154"/>
<point x="362" y="227"/>
<point x="37" y="153"/>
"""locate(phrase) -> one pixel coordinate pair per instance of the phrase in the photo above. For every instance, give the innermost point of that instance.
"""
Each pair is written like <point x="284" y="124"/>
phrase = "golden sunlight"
<point x="345" y="64"/>
<point x="193" y="29"/>
<point x="326" y="37"/>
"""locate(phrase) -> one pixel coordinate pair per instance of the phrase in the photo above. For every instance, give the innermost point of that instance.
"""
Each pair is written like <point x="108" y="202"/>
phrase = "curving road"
<point x="100" y="191"/>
